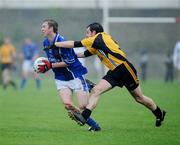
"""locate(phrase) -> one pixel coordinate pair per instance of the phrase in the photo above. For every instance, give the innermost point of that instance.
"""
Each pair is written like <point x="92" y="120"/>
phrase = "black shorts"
<point x="123" y="75"/>
<point x="6" y="66"/>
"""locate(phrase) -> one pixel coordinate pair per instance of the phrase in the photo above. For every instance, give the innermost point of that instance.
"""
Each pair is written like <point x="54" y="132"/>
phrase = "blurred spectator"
<point x="176" y="59"/>
<point x="143" y="64"/>
<point x="7" y="59"/>
<point x="169" y="74"/>
<point x="30" y="52"/>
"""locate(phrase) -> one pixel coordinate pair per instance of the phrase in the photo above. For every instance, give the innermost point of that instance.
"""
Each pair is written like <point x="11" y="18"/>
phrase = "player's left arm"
<point x="86" y="53"/>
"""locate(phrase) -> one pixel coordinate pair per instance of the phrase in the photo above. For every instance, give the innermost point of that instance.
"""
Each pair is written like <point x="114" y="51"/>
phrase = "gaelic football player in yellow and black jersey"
<point x="7" y="57"/>
<point x="121" y="71"/>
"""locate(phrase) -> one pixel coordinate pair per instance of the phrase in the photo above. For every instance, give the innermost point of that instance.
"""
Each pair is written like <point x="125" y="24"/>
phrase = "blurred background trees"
<point x="24" y="20"/>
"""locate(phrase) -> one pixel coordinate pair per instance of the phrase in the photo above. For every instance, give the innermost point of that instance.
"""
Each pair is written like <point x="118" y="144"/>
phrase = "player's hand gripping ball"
<point x="41" y="65"/>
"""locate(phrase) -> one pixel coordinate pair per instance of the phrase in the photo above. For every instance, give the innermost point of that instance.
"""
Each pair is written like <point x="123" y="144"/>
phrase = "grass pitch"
<point x="37" y="117"/>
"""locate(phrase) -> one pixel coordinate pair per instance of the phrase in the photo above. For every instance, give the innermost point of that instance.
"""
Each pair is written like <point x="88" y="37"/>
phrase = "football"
<point x="37" y="62"/>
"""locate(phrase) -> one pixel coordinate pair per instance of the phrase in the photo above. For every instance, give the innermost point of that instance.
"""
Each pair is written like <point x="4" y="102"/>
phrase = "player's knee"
<point x="82" y="107"/>
<point x="67" y="106"/>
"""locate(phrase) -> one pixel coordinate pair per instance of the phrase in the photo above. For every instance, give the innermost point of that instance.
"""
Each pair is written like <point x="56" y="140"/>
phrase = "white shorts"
<point x="27" y="66"/>
<point x="75" y="85"/>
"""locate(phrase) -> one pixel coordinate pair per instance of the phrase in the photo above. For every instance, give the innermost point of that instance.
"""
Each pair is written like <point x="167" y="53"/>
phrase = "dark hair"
<point x="52" y="23"/>
<point x="96" y="27"/>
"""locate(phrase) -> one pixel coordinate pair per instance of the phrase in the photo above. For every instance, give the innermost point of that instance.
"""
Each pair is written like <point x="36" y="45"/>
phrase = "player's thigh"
<point x="66" y="95"/>
<point x="25" y="73"/>
<point x="82" y="98"/>
<point x="137" y="93"/>
<point x="27" y="67"/>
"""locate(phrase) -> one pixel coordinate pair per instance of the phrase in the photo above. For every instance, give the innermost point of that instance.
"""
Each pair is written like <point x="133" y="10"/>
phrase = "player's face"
<point x="89" y="33"/>
<point x="46" y="30"/>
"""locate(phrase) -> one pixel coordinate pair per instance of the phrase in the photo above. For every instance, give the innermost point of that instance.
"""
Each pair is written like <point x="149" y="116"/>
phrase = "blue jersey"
<point x="55" y="54"/>
<point x="29" y="51"/>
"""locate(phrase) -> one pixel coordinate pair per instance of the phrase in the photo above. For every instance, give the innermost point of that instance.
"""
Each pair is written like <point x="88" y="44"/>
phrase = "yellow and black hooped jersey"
<point x="6" y="53"/>
<point x="106" y="48"/>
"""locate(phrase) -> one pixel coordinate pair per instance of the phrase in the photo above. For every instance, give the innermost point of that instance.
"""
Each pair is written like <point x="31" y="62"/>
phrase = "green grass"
<point x="32" y="117"/>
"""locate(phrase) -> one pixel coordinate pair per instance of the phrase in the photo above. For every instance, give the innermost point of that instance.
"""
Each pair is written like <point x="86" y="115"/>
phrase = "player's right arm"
<point x="65" y="44"/>
<point x="86" y="42"/>
<point x="59" y="64"/>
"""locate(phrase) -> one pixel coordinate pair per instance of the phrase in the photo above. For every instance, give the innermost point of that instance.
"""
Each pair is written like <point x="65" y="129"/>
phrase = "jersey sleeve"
<point x="60" y="39"/>
<point x="87" y="43"/>
<point x="78" y="44"/>
<point x="92" y="50"/>
<point x="87" y="53"/>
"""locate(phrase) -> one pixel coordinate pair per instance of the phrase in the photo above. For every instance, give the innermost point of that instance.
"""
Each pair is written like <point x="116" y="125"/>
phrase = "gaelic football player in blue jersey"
<point x="68" y="71"/>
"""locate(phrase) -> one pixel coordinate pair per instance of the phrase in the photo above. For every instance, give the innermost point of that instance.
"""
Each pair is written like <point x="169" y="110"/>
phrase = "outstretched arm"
<point x="69" y="44"/>
<point x="66" y="44"/>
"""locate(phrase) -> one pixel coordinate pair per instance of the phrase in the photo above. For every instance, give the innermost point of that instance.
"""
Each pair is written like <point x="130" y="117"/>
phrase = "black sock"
<point x="86" y="113"/>
<point x="157" y="112"/>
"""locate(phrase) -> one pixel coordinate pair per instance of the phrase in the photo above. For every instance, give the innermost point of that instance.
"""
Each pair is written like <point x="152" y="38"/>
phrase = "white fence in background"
<point x="134" y="4"/>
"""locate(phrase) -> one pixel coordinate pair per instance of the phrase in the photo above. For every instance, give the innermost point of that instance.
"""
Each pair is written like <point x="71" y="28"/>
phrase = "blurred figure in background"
<point x="169" y="74"/>
<point x="176" y="59"/>
<point x="7" y="59"/>
<point x="30" y="52"/>
<point x="143" y="64"/>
